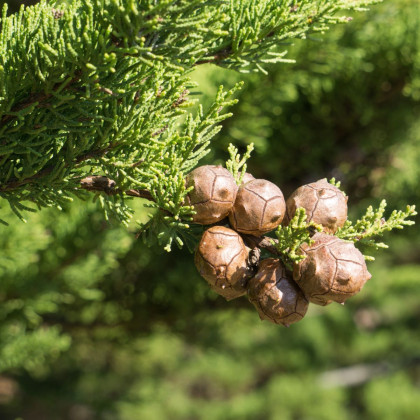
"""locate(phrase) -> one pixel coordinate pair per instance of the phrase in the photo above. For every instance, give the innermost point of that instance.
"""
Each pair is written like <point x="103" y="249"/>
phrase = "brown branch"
<point x="99" y="183"/>
<point x="140" y="194"/>
<point x="108" y="186"/>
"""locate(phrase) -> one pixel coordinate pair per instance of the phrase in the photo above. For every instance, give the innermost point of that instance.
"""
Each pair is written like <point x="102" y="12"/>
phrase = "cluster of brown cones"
<point x="332" y="271"/>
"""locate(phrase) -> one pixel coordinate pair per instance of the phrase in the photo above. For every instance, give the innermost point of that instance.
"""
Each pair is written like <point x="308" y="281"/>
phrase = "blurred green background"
<point x="95" y="325"/>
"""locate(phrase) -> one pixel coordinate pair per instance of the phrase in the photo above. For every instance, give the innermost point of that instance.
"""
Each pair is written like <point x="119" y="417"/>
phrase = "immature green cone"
<point x="222" y="259"/>
<point x="276" y="296"/>
<point x="333" y="270"/>
<point x="259" y="208"/>
<point x="213" y="195"/>
<point x="324" y="203"/>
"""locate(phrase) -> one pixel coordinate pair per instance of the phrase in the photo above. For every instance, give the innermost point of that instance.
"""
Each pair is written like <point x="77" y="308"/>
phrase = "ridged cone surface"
<point x="333" y="270"/>
<point x="213" y="195"/>
<point x="276" y="296"/>
<point x="259" y="208"/>
<point x="324" y="203"/>
<point x="247" y="178"/>
<point x="222" y="259"/>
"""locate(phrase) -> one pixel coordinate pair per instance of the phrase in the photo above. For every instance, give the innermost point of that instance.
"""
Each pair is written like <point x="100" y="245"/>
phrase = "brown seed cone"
<point x="222" y="259"/>
<point x="259" y="207"/>
<point x="324" y="203"/>
<point x="333" y="270"/>
<point x="247" y="178"/>
<point x="213" y="195"/>
<point x="276" y="296"/>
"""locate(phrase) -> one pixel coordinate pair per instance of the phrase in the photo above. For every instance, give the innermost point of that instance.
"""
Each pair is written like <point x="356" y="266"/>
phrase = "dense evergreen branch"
<point x="94" y="87"/>
<point x="103" y="184"/>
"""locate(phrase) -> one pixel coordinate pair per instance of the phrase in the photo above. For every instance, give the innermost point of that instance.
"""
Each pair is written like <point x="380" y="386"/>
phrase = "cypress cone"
<point x="247" y="178"/>
<point x="213" y="195"/>
<point x="276" y="296"/>
<point x="222" y="259"/>
<point x="333" y="270"/>
<point x="324" y="204"/>
<point x="259" y="207"/>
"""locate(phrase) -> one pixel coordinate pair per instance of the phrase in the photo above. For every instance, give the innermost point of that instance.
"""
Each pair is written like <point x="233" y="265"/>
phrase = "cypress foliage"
<point x="99" y="88"/>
